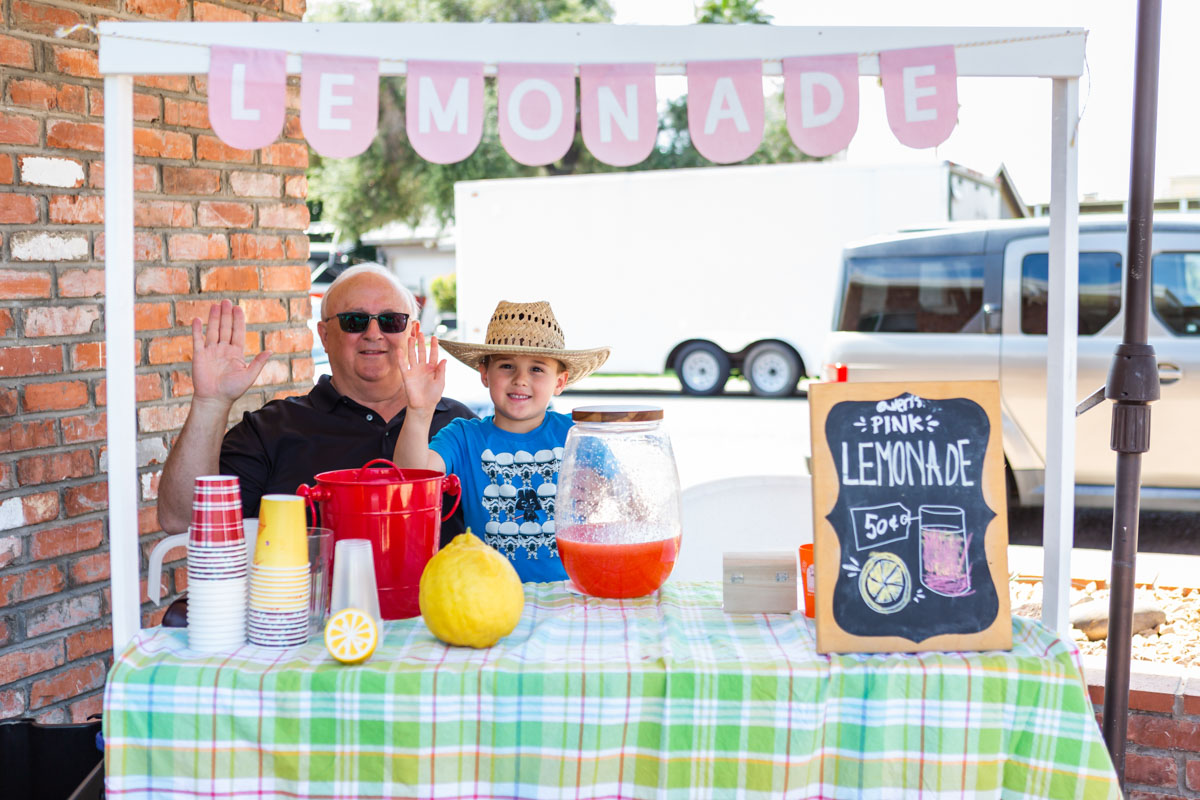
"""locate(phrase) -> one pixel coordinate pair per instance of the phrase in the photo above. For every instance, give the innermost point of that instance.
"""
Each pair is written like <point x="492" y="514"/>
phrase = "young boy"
<point x="508" y="462"/>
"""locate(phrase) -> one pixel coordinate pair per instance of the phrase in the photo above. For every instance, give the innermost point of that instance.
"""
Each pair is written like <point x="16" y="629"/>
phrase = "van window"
<point x="913" y="295"/>
<point x="1176" y="286"/>
<point x="1099" y="291"/>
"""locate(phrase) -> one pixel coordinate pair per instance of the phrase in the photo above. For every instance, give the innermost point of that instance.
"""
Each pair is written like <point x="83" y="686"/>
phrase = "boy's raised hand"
<point x="219" y="366"/>
<point x="424" y="375"/>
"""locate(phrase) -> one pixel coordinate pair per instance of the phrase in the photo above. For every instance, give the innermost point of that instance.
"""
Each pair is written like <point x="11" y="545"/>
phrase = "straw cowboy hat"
<point x="527" y="329"/>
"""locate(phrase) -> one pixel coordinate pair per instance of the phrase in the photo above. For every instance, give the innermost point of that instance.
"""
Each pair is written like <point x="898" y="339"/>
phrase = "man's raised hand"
<point x="219" y="366"/>
<point x="424" y="375"/>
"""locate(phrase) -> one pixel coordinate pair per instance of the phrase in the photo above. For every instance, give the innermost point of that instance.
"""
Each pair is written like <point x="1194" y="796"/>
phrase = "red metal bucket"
<point x="399" y="511"/>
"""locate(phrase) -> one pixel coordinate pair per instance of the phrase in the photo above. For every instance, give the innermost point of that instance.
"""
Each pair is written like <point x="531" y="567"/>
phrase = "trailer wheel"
<point x="772" y="369"/>
<point x="702" y="368"/>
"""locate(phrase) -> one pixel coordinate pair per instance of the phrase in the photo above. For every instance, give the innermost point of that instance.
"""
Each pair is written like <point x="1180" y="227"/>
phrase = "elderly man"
<point x="347" y="419"/>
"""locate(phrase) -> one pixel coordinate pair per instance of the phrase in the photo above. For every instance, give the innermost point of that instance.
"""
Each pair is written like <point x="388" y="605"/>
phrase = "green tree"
<point x="445" y="292"/>
<point x="732" y="11"/>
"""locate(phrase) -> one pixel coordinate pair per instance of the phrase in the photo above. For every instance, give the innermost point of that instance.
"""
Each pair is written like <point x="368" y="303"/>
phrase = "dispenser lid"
<point x="617" y="413"/>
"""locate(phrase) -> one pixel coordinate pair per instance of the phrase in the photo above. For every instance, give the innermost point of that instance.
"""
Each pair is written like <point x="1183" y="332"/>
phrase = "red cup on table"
<point x="808" y="574"/>
<point x="216" y="511"/>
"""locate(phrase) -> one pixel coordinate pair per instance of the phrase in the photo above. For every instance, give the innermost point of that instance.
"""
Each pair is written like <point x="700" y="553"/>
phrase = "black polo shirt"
<point x="287" y="442"/>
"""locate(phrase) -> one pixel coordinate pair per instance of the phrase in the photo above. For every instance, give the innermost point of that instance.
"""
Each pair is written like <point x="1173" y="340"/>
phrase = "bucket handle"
<point x="383" y="461"/>
<point x="319" y="494"/>
<point x="313" y="495"/>
<point x="451" y="485"/>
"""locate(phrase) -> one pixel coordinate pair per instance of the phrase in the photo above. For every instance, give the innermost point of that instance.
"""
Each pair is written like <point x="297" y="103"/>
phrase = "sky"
<point x="1005" y="120"/>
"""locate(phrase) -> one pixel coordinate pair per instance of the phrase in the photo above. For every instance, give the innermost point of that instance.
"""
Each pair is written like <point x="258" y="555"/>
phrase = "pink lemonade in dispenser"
<point x="618" y="514"/>
<point x="603" y="565"/>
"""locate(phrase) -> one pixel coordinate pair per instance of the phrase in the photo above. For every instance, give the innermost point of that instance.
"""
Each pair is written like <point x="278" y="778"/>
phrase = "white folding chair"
<point x="747" y="513"/>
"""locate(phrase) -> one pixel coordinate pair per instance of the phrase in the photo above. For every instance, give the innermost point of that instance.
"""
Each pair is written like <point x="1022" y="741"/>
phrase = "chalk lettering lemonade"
<point x="914" y="461"/>
<point x="618" y="505"/>
<point x="909" y="462"/>
<point x="907" y="468"/>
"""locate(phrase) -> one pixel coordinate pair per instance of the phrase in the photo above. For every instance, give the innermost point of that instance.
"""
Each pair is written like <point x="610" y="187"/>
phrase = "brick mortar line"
<point x="66" y="666"/>
<point x="61" y="559"/>
<point x="40" y="189"/>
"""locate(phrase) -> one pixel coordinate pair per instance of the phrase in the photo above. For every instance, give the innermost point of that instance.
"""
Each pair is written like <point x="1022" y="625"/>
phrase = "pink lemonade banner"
<point x="537" y="111"/>
<point x="725" y="108"/>
<point x="444" y="109"/>
<point x="339" y="104"/>
<point x="247" y="95"/>
<point x="820" y="97"/>
<point x="618" y="112"/>
<point x="920" y="93"/>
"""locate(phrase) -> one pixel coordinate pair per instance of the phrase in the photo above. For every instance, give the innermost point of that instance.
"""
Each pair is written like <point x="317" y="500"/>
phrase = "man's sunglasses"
<point x="357" y="321"/>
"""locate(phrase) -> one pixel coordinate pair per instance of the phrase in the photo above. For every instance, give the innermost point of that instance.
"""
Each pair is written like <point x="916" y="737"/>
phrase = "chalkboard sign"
<point x="909" y="517"/>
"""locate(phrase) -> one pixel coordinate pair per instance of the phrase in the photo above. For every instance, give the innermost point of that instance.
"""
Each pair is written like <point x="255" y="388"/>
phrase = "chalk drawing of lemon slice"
<point x="884" y="583"/>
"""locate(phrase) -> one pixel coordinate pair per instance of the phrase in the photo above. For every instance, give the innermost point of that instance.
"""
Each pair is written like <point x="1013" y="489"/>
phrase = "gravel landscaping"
<point x="1176" y="640"/>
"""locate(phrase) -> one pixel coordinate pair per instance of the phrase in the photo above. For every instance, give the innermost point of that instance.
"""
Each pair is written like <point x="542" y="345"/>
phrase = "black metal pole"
<point x="1132" y="383"/>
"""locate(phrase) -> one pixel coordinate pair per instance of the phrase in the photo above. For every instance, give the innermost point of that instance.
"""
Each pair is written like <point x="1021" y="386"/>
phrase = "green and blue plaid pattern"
<point x="664" y="696"/>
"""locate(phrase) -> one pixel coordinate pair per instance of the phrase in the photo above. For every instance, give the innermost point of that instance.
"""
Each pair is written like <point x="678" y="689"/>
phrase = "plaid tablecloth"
<point x="663" y="696"/>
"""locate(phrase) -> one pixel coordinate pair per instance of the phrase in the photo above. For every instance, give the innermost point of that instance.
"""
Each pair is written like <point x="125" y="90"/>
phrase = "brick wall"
<point x="212" y="222"/>
<point x="1162" y="752"/>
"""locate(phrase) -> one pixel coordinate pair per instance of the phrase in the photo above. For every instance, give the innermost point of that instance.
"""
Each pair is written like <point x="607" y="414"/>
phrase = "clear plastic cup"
<point x="250" y="529"/>
<point x="354" y="578"/>
<point x="320" y="562"/>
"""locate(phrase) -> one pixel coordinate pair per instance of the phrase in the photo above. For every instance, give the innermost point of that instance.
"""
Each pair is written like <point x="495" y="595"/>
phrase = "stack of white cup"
<point x="216" y="564"/>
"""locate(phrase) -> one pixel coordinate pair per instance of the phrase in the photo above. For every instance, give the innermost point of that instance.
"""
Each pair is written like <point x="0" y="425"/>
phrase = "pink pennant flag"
<point x="725" y="108"/>
<point x="537" y="111"/>
<point x="618" y="111"/>
<point x="820" y="97"/>
<point x="920" y="92"/>
<point x="444" y="109"/>
<point x="339" y="103"/>
<point x="247" y="91"/>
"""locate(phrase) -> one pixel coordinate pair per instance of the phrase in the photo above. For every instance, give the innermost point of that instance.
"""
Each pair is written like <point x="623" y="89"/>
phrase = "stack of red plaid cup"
<point x="217" y="566"/>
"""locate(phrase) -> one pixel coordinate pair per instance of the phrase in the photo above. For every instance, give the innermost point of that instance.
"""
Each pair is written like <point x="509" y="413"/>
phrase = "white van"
<point x="968" y="302"/>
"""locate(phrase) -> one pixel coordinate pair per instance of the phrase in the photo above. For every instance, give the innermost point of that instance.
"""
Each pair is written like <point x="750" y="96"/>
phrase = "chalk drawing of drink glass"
<point x="944" y="543"/>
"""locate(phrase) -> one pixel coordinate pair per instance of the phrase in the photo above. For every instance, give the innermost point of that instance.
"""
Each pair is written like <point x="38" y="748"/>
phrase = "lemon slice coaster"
<point x="351" y="636"/>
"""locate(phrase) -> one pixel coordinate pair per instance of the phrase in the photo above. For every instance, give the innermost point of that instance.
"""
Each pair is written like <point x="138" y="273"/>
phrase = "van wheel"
<point x="772" y="369"/>
<point x="702" y="368"/>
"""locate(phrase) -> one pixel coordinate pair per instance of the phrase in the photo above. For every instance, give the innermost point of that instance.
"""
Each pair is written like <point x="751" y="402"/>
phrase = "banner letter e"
<point x="339" y="103"/>
<point x="920" y="92"/>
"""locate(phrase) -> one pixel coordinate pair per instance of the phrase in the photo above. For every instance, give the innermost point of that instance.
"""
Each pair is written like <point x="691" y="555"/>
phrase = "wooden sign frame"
<point x="896" y="400"/>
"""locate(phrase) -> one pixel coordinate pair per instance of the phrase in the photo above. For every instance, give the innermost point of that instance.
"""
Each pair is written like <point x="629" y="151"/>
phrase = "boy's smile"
<point x="521" y="388"/>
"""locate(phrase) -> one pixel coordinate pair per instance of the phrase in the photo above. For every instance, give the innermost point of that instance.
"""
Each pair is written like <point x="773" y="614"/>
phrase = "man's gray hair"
<point x="346" y="275"/>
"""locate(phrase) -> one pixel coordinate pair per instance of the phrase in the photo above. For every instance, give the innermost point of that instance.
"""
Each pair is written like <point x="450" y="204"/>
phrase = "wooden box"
<point x="760" y="583"/>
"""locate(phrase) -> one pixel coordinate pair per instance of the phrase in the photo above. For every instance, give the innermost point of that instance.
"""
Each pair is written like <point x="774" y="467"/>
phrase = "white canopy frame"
<point x="129" y="49"/>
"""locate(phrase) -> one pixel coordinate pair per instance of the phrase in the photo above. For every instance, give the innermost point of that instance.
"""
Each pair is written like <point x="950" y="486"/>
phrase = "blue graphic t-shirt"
<point x="509" y="486"/>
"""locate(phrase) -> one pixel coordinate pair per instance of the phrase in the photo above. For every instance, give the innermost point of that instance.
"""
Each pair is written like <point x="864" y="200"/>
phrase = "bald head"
<point x="350" y="276"/>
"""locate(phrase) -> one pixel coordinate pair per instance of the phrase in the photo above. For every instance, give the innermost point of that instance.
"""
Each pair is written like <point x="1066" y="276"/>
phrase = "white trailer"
<point x="700" y="271"/>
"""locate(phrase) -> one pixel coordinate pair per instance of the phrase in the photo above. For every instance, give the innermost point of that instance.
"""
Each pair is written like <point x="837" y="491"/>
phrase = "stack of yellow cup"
<point x="279" y="578"/>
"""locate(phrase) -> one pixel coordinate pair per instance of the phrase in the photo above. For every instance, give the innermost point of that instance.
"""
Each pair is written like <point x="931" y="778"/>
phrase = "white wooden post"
<point x="124" y="559"/>
<point x="1058" y="530"/>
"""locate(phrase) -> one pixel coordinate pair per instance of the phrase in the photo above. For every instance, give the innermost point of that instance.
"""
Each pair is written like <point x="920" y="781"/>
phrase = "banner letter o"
<point x="514" y="109"/>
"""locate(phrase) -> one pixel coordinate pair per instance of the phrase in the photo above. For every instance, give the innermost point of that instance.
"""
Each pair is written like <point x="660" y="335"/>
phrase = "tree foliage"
<point x="732" y="11"/>
<point x="390" y="182"/>
<point x="445" y="292"/>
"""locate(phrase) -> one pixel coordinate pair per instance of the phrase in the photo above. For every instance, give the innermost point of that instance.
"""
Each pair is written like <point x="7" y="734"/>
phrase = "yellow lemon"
<point x="470" y="594"/>
<point x="351" y="636"/>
